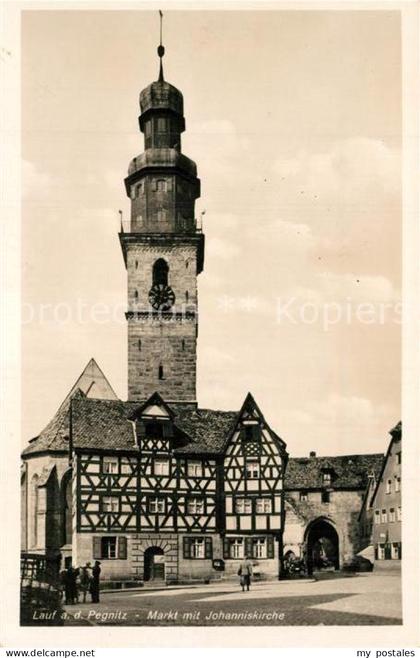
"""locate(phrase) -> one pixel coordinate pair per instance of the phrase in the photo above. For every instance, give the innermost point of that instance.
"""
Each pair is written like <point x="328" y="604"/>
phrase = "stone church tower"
<point x="163" y="251"/>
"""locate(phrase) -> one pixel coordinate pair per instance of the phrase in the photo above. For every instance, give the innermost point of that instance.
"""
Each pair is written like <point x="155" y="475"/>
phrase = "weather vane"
<point x="161" y="48"/>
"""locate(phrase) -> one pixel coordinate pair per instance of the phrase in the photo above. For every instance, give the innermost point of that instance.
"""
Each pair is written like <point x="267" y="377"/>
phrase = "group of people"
<point x="76" y="582"/>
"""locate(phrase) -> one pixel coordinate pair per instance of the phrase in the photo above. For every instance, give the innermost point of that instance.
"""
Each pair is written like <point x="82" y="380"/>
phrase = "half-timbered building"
<point x="156" y="487"/>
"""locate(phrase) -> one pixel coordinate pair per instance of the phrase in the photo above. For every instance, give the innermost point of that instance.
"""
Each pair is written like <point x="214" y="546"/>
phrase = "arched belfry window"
<point x="160" y="272"/>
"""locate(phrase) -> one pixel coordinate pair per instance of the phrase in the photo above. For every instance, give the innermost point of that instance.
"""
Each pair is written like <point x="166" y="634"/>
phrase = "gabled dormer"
<point x="255" y="457"/>
<point x="155" y="428"/>
<point x="327" y="475"/>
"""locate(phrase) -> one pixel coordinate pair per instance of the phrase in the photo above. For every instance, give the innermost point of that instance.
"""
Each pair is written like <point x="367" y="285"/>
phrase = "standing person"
<point x="245" y="573"/>
<point x="85" y="579"/>
<point x="94" y="584"/>
<point x="63" y="581"/>
<point x="76" y="584"/>
<point x="69" y="586"/>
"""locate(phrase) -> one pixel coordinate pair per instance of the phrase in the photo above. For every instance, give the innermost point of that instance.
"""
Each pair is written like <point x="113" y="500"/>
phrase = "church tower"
<point x="163" y="251"/>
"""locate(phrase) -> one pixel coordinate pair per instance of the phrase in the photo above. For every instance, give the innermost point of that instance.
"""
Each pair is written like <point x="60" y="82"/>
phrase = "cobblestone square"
<point x="364" y="599"/>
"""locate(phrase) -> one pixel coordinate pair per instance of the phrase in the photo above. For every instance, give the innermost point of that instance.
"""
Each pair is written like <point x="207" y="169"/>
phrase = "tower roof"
<point x="161" y="95"/>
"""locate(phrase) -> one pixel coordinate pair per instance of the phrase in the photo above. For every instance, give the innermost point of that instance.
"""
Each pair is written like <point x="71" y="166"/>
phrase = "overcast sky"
<point x="294" y="121"/>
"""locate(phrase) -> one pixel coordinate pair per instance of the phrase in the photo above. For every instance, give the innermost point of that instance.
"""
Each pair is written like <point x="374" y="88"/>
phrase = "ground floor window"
<point x="198" y="548"/>
<point x="236" y="548"/>
<point x="381" y="552"/>
<point x="110" y="548"/>
<point x="258" y="548"/>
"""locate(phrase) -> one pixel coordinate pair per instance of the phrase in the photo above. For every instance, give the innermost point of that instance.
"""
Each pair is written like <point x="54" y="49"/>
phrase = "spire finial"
<point x="161" y="49"/>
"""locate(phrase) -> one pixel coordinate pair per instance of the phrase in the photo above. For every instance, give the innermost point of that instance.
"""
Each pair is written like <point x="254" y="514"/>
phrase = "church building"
<point x="157" y="487"/>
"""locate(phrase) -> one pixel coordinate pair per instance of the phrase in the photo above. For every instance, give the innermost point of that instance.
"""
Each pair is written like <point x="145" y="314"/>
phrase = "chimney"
<point x="312" y="453"/>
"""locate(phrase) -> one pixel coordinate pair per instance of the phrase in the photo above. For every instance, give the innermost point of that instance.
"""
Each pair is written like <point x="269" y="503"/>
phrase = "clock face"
<point x="161" y="297"/>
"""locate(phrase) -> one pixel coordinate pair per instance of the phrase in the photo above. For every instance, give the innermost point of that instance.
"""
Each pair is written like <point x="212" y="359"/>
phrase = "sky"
<point x="294" y="120"/>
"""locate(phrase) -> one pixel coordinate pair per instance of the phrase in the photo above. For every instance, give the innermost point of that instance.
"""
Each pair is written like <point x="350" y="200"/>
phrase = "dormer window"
<point x="154" y="430"/>
<point x="326" y="479"/>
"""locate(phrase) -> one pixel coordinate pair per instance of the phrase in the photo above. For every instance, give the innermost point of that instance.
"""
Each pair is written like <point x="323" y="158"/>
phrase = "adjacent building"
<point x="386" y="503"/>
<point x="323" y="497"/>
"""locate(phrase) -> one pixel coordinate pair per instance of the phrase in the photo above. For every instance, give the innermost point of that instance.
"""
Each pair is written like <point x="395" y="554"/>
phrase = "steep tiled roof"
<point x="208" y="430"/>
<point x="104" y="424"/>
<point x="54" y="437"/>
<point x="350" y="471"/>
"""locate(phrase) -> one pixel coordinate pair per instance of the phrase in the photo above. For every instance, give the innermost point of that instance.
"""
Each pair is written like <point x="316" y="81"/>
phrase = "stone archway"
<point x="163" y="548"/>
<point x="322" y="545"/>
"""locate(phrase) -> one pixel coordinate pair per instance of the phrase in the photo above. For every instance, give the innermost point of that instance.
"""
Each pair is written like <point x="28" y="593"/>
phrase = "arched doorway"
<point x="154" y="563"/>
<point x="322" y="545"/>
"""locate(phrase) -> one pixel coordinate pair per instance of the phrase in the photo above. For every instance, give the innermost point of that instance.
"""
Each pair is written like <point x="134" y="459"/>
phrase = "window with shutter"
<point x="248" y="547"/>
<point x="187" y="548"/>
<point x="122" y="548"/>
<point x="208" y="548"/>
<point x="96" y="548"/>
<point x="225" y="548"/>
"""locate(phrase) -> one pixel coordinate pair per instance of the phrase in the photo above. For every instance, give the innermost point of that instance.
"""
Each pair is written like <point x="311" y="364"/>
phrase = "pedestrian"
<point x="62" y="583"/>
<point x="69" y="585"/>
<point x="76" y="584"/>
<point x="85" y="579"/>
<point x="94" y="583"/>
<point x="245" y="573"/>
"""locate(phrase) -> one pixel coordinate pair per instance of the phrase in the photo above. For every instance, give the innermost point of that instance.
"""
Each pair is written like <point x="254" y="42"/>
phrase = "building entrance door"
<point x="154" y="564"/>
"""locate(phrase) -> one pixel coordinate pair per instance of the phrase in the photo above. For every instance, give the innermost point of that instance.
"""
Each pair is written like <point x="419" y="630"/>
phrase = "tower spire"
<point x="161" y="49"/>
